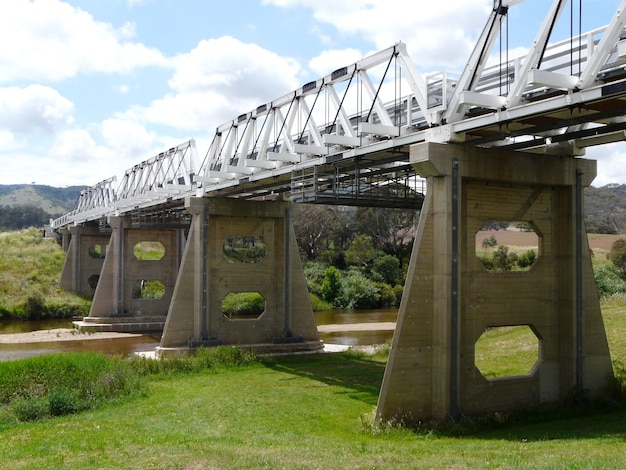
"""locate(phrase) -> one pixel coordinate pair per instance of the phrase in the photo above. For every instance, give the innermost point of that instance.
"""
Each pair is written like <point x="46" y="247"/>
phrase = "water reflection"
<point x="142" y="343"/>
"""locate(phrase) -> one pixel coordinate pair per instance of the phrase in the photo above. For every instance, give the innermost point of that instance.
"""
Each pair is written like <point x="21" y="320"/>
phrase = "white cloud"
<point x="610" y="158"/>
<point x="127" y="138"/>
<point x="436" y="37"/>
<point x="35" y="108"/>
<point x="7" y="141"/>
<point x="57" y="41"/>
<point x="331" y="60"/>
<point x="216" y="81"/>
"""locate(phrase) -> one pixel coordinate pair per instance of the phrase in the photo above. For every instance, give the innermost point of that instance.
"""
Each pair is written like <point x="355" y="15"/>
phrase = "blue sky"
<point x="88" y="88"/>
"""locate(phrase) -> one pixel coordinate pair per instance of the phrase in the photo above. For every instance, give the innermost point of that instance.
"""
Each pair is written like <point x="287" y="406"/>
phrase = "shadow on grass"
<point x="357" y="372"/>
<point x="559" y="422"/>
<point x="361" y="376"/>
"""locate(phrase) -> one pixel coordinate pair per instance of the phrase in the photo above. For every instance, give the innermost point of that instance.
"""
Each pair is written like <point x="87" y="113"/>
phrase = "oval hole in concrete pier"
<point x="148" y="289"/>
<point x="244" y="249"/>
<point x="507" y="351"/>
<point x="149" y="251"/>
<point x="98" y="251"/>
<point x="92" y="281"/>
<point x="243" y="305"/>
<point x="503" y="246"/>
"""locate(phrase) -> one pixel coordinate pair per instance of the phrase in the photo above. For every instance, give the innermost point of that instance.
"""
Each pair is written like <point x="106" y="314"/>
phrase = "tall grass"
<point x="30" y="269"/>
<point x="54" y="385"/>
<point x="61" y="384"/>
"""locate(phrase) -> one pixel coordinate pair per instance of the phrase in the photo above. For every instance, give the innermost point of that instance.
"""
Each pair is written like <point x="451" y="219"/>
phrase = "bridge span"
<point x="499" y="141"/>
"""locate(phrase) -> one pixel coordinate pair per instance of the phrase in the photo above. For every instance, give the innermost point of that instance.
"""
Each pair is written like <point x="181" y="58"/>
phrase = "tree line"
<point x="22" y="216"/>
<point x="355" y="257"/>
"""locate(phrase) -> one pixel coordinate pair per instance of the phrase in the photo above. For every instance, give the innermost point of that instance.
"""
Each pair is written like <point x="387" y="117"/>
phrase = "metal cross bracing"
<point x="558" y="98"/>
<point x="162" y="181"/>
<point x="362" y="119"/>
<point x="92" y="202"/>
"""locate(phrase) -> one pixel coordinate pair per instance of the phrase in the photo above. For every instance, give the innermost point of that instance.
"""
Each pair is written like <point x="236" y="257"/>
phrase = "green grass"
<point x="224" y="409"/>
<point x="30" y="267"/>
<point x="296" y="412"/>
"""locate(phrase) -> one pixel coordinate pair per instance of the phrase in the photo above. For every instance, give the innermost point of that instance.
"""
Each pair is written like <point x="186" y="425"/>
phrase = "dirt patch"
<point x="59" y="334"/>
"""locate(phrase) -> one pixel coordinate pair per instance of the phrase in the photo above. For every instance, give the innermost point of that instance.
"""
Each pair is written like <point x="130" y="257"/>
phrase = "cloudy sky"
<point x="88" y="88"/>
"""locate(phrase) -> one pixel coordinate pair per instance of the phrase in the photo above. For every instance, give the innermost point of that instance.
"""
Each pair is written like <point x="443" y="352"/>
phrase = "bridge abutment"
<point x="137" y="279"/>
<point x="240" y="251"/>
<point x="450" y="299"/>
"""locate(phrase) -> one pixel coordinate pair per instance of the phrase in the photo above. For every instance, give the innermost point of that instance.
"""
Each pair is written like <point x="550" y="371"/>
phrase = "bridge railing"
<point x="168" y="175"/>
<point x="93" y="203"/>
<point x="369" y="100"/>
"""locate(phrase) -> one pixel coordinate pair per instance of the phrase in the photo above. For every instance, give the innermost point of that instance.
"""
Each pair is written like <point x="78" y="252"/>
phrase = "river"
<point x="145" y="343"/>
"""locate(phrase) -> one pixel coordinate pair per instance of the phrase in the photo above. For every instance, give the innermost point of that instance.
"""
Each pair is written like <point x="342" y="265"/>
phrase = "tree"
<point x="22" y="216"/>
<point x="315" y="227"/>
<point x="388" y="267"/>
<point x="389" y="229"/>
<point x="617" y="255"/>
<point x="360" y="251"/>
<point x="331" y="285"/>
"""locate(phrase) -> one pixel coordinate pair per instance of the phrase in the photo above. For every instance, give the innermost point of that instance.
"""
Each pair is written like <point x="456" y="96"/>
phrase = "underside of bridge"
<point x="450" y="299"/>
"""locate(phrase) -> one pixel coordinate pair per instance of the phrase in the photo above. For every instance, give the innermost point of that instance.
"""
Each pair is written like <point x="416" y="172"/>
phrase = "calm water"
<point x="142" y="343"/>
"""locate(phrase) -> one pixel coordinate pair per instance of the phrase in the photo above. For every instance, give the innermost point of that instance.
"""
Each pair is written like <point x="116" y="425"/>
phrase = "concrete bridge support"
<point x="137" y="279"/>
<point x="450" y="299"/>
<point x="86" y="249"/>
<point x="212" y="271"/>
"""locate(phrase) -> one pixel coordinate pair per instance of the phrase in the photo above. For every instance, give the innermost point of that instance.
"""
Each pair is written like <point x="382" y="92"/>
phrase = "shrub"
<point x="315" y="273"/>
<point x="34" y="306"/>
<point x="54" y="385"/>
<point x="490" y="242"/>
<point x="617" y="255"/>
<point x="62" y="402"/>
<point x="608" y="280"/>
<point x="386" y="295"/>
<point x="526" y="260"/>
<point x="388" y="267"/>
<point x="331" y="285"/>
<point x="357" y="292"/>
<point x="29" y="408"/>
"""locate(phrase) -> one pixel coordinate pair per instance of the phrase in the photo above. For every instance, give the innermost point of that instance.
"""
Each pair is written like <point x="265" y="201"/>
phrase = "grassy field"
<point x="305" y="412"/>
<point x="30" y="267"/>
<point x="310" y="412"/>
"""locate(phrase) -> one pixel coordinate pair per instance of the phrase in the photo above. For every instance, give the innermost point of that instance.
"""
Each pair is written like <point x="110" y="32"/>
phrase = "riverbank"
<point x="73" y="334"/>
<point x="60" y="334"/>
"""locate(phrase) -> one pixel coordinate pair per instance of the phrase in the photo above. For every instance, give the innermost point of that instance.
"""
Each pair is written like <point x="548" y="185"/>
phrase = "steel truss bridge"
<point x="345" y="138"/>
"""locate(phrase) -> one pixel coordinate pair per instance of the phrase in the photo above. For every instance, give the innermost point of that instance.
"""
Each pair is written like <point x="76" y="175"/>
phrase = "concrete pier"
<point x="207" y="276"/>
<point x="450" y="299"/>
<point x="118" y="303"/>
<point x="86" y="250"/>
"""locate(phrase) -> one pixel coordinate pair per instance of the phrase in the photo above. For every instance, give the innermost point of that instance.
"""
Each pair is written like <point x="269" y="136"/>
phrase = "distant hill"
<point x="54" y="201"/>
<point x="605" y="209"/>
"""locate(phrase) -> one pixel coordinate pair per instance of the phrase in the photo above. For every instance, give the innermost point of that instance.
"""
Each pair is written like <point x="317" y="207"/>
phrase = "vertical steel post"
<point x="287" y="272"/>
<point x="579" y="280"/>
<point x="453" y="410"/>
<point x="120" y="265"/>
<point x="204" y="332"/>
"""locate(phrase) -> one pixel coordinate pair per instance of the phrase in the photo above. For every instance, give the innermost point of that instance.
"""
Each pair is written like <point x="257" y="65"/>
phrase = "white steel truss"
<point x="93" y="201"/>
<point x="368" y="114"/>
<point x="166" y="176"/>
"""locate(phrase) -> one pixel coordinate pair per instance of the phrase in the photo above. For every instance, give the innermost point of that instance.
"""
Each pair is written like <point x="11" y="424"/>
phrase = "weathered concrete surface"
<point x="423" y="379"/>
<point x="81" y="264"/>
<point x="116" y="305"/>
<point x="206" y="277"/>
